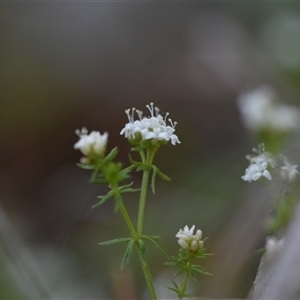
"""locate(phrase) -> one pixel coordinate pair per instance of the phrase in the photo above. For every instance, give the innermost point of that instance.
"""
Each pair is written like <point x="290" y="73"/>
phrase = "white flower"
<point x="272" y="246"/>
<point x="189" y="241"/>
<point x="260" y="111"/>
<point x="258" y="166"/>
<point x="153" y="127"/>
<point x="93" y="144"/>
<point x="288" y="172"/>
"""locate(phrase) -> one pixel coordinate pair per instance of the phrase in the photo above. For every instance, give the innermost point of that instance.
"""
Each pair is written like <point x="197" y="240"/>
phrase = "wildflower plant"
<point x="191" y="249"/>
<point x="146" y="134"/>
<point x="272" y="123"/>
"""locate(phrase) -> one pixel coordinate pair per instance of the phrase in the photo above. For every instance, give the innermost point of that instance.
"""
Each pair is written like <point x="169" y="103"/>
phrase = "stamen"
<point x="132" y="114"/>
<point x="151" y="109"/>
<point x="165" y="118"/>
<point x="156" y="111"/>
<point x="173" y="124"/>
<point x="81" y="132"/>
<point x="127" y="111"/>
<point x="140" y="114"/>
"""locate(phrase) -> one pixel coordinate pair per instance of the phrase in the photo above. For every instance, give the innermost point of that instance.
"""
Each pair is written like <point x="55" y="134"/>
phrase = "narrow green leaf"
<point x="174" y="284"/>
<point x="114" y="241"/>
<point x="133" y="162"/>
<point x="103" y="199"/>
<point x="156" y="245"/>
<point x="111" y="155"/>
<point x="162" y="175"/>
<point x="127" y="254"/>
<point x="153" y="178"/>
<point x="98" y="180"/>
<point x="86" y="167"/>
<point x="201" y="271"/>
<point x="94" y="175"/>
<point x="130" y="190"/>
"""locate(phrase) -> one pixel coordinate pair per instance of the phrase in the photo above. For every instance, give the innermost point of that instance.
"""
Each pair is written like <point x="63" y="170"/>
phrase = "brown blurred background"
<point x="65" y="65"/>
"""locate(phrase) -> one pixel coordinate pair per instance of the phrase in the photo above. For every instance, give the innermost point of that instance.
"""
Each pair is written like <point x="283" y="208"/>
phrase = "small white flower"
<point x="260" y="111"/>
<point x="93" y="144"/>
<point x="258" y="165"/>
<point x="272" y="246"/>
<point x="255" y="171"/>
<point x="288" y="172"/>
<point x="189" y="241"/>
<point x="153" y="127"/>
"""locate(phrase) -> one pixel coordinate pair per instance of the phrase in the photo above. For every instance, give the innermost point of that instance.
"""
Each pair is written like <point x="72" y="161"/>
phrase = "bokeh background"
<point x="65" y="65"/>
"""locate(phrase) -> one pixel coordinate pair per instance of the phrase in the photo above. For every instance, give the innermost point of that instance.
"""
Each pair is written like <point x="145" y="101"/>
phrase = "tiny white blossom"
<point x="260" y="111"/>
<point x="272" y="247"/>
<point x="154" y="127"/>
<point x="258" y="165"/>
<point x="288" y="172"/>
<point x="188" y="240"/>
<point x="93" y="144"/>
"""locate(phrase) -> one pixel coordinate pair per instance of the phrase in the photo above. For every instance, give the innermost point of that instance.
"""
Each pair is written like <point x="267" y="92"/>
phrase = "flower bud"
<point x="91" y="145"/>
<point x="189" y="241"/>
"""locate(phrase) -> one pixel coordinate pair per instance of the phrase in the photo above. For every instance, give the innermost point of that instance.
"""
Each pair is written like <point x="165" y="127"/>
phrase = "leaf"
<point x="133" y="162"/>
<point x="127" y="188"/>
<point x="86" y="167"/>
<point x="94" y="175"/>
<point x="114" y="241"/>
<point x="98" y="180"/>
<point x="153" y="178"/>
<point x="156" y="245"/>
<point x="174" y="284"/>
<point x="200" y="270"/>
<point x="162" y="175"/>
<point x="127" y="254"/>
<point x="111" y="155"/>
<point x="104" y="198"/>
<point x="130" y="190"/>
<point x="156" y="172"/>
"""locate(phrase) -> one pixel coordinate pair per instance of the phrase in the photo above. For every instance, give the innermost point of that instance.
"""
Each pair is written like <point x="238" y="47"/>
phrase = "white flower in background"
<point x="260" y="111"/>
<point x="153" y="127"/>
<point x="288" y="172"/>
<point x="272" y="247"/>
<point x="188" y="240"/>
<point x="91" y="145"/>
<point x="258" y="165"/>
<point x="255" y="171"/>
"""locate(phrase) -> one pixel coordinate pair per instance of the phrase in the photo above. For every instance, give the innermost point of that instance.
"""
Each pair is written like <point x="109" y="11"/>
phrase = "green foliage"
<point x="184" y="264"/>
<point x="127" y="254"/>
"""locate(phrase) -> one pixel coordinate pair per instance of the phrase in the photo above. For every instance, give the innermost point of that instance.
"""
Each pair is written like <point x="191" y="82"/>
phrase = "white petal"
<point x="267" y="174"/>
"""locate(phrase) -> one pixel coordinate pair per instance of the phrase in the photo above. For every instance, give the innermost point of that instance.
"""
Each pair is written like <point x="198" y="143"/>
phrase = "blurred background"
<point x="65" y="65"/>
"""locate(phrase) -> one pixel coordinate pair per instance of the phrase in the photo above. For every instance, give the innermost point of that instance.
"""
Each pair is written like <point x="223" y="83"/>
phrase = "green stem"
<point x="144" y="188"/>
<point x="185" y="282"/>
<point x="124" y="213"/>
<point x="147" y="275"/>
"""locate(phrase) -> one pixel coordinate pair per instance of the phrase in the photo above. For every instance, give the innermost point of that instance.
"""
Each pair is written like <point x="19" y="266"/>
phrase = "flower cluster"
<point x="260" y="111"/>
<point x="153" y="128"/>
<point x="188" y="240"/>
<point x="91" y="145"/>
<point x="258" y="165"/>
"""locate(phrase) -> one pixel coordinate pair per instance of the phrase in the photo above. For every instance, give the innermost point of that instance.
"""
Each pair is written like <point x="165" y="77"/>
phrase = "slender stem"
<point x="147" y="275"/>
<point x="124" y="213"/>
<point x="142" y="204"/>
<point x="185" y="281"/>
<point x="144" y="188"/>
